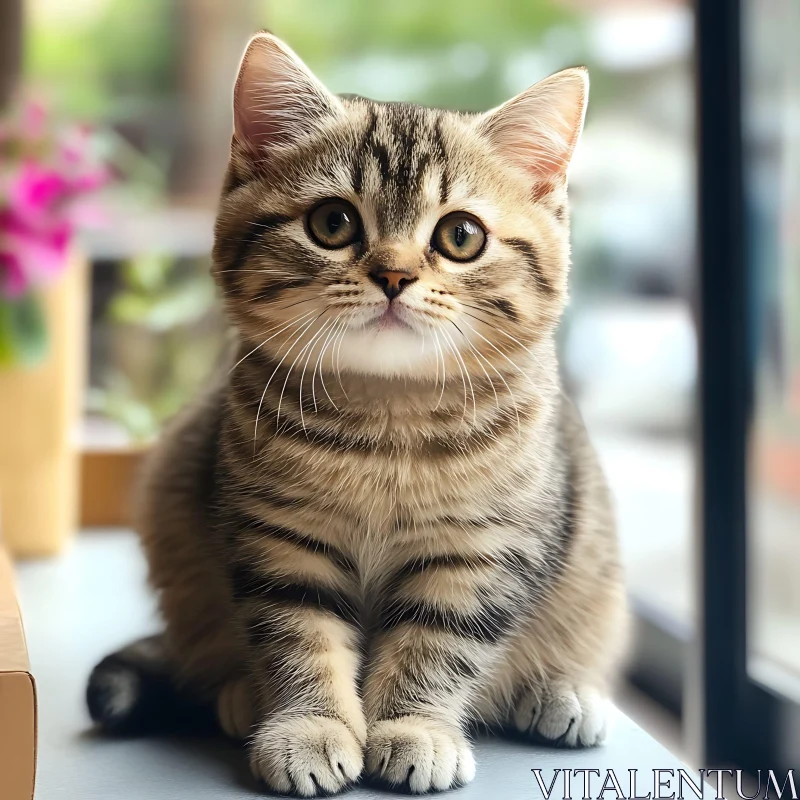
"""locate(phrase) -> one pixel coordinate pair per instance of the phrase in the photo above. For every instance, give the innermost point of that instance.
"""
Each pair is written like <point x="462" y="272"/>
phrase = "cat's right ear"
<point x="538" y="129"/>
<point x="277" y="100"/>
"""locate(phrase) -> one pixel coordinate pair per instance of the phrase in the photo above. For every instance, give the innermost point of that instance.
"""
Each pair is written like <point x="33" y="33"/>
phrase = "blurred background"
<point x="152" y="79"/>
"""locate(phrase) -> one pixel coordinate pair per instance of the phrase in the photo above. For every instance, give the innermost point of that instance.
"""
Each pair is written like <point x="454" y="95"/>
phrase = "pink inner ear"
<point x="544" y="159"/>
<point x="538" y="129"/>
<point x="277" y="100"/>
<point x="253" y="121"/>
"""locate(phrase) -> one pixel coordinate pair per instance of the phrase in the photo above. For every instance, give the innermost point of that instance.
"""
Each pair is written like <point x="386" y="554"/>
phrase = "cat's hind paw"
<point x="563" y="715"/>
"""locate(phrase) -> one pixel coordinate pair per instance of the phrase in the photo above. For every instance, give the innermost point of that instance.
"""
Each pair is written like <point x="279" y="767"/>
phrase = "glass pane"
<point x="628" y="342"/>
<point x="772" y="123"/>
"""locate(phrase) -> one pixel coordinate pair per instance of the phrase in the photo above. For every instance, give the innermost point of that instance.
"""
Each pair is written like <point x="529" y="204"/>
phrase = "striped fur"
<point x="366" y="536"/>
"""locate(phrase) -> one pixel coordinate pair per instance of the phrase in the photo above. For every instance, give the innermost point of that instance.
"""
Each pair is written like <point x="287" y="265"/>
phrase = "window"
<point x="748" y="634"/>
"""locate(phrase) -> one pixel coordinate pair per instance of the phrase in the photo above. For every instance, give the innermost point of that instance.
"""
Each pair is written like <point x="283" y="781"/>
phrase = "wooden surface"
<point x="108" y="480"/>
<point x="84" y="604"/>
<point x="17" y="696"/>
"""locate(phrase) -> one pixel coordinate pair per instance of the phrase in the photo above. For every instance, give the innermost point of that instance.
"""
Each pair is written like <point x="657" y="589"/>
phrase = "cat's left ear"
<point x="277" y="100"/>
<point x="538" y="129"/>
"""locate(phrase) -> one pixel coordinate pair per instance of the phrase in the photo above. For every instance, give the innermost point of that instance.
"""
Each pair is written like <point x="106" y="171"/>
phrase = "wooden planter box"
<point x="40" y="411"/>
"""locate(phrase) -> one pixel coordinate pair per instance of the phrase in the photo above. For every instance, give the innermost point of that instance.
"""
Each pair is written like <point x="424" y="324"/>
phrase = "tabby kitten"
<point x="383" y="521"/>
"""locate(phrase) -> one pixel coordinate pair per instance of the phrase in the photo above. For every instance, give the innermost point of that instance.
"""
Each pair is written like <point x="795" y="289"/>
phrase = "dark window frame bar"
<point x="725" y="385"/>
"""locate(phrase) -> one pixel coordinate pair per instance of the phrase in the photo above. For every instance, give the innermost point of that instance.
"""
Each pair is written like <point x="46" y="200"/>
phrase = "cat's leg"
<point x="556" y="677"/>
<point x="311" y="734"/>
<point x="554" y="683"/>
<point x="443" y="629"/>
<point x="417" y="695"/>
<point x="556" y="708"/>
<point x="305" y="654"/>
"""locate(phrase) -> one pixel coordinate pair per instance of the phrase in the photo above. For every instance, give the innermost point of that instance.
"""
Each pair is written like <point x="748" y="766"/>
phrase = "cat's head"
<point x="396" y="236"/>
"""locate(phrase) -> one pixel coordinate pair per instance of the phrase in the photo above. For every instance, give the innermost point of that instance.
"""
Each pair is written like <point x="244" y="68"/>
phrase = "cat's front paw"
<point x="419" y="754"/>
<point x="563" y="715"/>
<point x="308" y="755"/>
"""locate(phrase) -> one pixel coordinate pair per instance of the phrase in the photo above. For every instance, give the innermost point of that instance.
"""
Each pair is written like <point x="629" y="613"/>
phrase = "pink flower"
<point x="13" y="281"/>
<point x="42" y="198"/>
<point x="89" y="181"/>
<point x="33" y="121"/>
<point x="31" y="256"/>
<point x="35" y="193"/>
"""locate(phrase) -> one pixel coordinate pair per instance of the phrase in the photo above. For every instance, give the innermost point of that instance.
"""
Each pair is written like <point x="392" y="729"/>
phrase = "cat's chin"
<point x="388" y="351"/>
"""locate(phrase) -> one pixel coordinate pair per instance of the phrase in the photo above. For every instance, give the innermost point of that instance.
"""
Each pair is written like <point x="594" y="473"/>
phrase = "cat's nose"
<point x="392" y="281"/>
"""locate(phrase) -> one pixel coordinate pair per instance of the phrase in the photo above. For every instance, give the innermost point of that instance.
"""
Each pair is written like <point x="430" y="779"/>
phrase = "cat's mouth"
<point x="391" y="319"/>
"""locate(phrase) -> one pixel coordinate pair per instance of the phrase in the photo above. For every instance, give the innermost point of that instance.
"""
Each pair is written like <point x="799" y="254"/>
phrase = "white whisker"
<point x="337" y="367"/>
<point x="264" y="393"/>
<point x="329" y="340"/>
<point x="448" y="341"/>
<point x="310" y="348"/>
<point x="457" y="354"/>
<point x="440" y="354"/>
<point x="293" y="321"/>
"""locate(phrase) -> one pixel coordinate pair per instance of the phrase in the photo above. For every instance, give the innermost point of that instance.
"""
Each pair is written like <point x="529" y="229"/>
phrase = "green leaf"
<point x="130" y="308"/>
<point x="6" y="341"/>
<point x="178" y="305"/>
<point x="149" y="272"/>
<point x="23" y="332"/>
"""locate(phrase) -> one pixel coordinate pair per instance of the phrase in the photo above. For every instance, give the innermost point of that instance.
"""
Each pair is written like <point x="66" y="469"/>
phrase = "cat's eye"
<point x="334" y="224"/>
<point x="459" y="237"/>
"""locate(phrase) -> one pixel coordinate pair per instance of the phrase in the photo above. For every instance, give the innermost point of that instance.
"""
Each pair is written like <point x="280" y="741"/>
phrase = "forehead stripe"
<point x="360" y="154"/>
<point x="441" y="156"/>
<point x="414" y="144"/>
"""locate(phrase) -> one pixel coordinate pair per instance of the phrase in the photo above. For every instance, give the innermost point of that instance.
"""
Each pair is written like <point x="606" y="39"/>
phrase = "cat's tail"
<point x="133" y="691"/>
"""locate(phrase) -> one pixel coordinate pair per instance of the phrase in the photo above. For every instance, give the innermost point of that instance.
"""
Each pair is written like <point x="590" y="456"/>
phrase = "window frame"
<point x="729" y="716"/>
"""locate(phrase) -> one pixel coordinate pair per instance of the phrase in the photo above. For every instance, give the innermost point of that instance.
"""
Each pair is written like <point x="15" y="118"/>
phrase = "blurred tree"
<point x="211" y="38"/>
<point x="159" y="71"/>
<point x="354" y="27"/>
<point x="163" y="331"/>
<point x="453" y="53"/>
<point x="10" y="47"/>
<point x="102" y="59"/>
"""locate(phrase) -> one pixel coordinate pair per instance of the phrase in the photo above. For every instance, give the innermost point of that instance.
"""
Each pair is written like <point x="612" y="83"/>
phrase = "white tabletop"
<point x="81" y="606"/>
